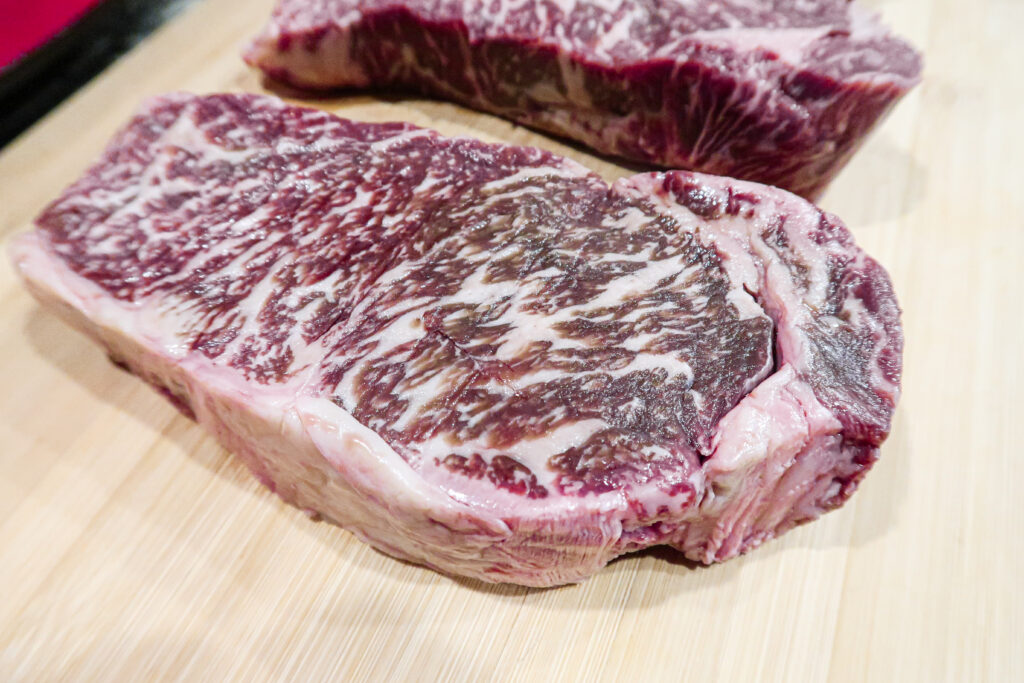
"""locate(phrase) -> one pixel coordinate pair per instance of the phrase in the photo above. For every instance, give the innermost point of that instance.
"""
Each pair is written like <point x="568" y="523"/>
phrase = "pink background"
<point x="27" y="24"/>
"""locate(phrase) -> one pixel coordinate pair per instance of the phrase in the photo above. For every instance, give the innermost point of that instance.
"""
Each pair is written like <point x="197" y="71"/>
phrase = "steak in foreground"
<point x="780" y="92"/>
<point x="479" y="357"/>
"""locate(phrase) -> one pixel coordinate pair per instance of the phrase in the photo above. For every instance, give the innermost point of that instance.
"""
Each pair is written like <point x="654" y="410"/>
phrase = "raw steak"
<point x="777" y="91"/>
<point x="479" y="357"/>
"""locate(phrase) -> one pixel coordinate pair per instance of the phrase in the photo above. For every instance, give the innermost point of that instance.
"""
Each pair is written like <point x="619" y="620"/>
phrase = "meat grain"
<point x="781" y="92"/>
<point x="479" y="357"/>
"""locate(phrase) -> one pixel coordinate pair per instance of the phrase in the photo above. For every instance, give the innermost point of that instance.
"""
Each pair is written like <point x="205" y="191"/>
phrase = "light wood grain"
<point x="134" y="548"/>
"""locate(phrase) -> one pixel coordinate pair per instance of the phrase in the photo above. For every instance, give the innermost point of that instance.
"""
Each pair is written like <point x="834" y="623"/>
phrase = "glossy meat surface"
<point x="480" y="357"/>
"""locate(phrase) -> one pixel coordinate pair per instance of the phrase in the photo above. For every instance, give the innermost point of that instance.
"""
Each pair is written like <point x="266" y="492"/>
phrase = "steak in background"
<point x="479" y="357"/>
<point x="781" y="92"/>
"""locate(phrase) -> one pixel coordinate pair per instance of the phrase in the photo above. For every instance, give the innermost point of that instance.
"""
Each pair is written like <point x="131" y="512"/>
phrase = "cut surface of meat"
<point x="781" y="92"/>
<point x="480" y="357"/>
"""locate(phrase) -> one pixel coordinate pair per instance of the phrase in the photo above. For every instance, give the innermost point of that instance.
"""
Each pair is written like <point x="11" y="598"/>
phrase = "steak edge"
<point x="782" y="93"/>
<point x="476" y="357"/>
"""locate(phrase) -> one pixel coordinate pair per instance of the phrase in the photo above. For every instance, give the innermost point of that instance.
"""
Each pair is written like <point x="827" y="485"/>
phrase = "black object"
<point x="44" y="78"/>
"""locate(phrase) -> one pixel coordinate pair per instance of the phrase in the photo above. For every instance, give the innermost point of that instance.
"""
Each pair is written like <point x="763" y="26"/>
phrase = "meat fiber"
<point x="781" y="92"/>
<point x="479" y="357"/>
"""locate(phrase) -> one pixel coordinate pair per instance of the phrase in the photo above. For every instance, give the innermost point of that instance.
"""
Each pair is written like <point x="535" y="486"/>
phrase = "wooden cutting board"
<point x="132" y="547"/>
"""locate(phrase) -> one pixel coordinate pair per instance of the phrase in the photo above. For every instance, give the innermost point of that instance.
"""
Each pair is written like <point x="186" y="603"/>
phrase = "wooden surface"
<point x="132" y="547"/>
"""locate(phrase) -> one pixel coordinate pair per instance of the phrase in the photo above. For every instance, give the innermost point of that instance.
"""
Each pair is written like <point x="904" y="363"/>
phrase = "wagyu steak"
<point x="780" y="91"/>
<point x="480" y="357"/>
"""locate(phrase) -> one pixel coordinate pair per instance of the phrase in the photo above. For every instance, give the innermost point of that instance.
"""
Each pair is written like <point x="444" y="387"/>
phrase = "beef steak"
<point x="781" y="92"/>
<point x="480" y="357"/>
